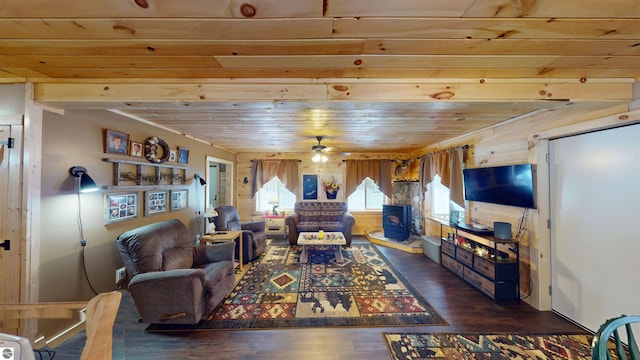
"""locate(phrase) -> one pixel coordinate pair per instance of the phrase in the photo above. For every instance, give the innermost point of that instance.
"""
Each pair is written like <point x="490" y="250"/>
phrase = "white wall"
<point x="595" y="243"/>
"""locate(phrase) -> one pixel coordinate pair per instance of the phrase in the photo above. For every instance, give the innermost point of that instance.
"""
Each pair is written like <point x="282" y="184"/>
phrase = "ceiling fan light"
<point x="319" y="158"/>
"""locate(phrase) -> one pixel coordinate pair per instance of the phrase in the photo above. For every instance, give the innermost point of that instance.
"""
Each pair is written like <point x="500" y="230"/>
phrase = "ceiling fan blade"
<point x="330" y="148"/>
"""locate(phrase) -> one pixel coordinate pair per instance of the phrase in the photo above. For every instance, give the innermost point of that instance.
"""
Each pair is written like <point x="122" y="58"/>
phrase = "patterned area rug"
<point x="409" y="346"/>
<point x="278" y="291"/>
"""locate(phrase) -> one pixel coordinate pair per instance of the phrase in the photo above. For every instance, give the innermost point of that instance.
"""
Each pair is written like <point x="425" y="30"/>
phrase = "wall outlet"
<point x="121" y="273"/>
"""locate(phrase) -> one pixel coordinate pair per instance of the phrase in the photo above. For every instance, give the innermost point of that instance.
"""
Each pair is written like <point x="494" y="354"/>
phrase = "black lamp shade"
<point x="202" y="181"/>
<point x="86" y="182"/>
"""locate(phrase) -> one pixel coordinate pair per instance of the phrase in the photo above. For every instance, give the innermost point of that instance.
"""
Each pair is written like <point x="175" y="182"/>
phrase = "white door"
<point x="214" y="185"/>
<point x="219" y="182"/>
<point x="11" y="264"/>
<point x="595" y="225"/>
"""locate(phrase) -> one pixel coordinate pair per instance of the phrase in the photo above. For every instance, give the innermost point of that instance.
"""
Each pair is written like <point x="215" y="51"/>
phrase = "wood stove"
<point x="396" y="221"/>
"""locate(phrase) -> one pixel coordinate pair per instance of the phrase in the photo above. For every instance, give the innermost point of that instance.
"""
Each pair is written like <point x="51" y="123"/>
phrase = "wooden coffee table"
<point x="307" y="239"/>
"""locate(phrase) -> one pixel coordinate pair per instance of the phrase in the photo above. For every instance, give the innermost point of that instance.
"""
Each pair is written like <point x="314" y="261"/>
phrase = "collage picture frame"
<point x="179" y="199"/>
<point x="120" y="207"/>
<point x="155" y="202"/>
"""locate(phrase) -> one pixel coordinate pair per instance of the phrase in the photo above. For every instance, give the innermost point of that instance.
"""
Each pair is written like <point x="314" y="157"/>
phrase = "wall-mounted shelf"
<point x="146" y="175"/>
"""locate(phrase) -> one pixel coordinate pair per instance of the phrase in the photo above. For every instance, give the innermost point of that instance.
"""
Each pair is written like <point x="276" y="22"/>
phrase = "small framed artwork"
<point x="330" y="189"/>
<point x="172" y="155"/>
<point x="309" y="186"/>
<point x="135" y="149"/>
<point x="155" y="202"/>
<point x="183" y="155"/>
<point x="116" y="142"/>
<point x="179" y="199"/>
<point x="119" y="207"/>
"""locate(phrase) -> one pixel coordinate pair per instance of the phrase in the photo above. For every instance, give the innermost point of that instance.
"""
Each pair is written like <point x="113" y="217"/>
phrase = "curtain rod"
<point x="465" y="146"/>
<point x="391" y="160"/>
<point x="252" y="160"/>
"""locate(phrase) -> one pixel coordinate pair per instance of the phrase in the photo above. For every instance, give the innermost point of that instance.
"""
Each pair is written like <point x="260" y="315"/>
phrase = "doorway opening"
<point x="219" y="179"/>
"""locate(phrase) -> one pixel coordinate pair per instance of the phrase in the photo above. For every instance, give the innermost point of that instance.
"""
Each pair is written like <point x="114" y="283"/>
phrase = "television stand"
<point x="490" y="265"/>
<point x="475" y="230"/>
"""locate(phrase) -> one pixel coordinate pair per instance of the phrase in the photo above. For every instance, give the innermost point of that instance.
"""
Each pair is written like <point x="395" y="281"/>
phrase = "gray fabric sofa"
<point x="173" y="281"/>
<point x="319" y="215"/>
<point x="254" y="235"/>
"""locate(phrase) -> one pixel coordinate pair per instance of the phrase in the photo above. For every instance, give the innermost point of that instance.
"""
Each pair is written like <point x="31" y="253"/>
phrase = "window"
<point x="274" y="193"/>
<point x="366" y="197"/>
<point x="441" y="206"/>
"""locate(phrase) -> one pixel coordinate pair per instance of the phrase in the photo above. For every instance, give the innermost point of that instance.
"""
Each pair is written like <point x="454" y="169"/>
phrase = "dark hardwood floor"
<point x="463" y="307"/>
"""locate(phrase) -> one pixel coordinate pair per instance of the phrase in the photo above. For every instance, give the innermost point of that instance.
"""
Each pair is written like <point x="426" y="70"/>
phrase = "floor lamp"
<point x="209" y="216"/>
<point x="202" y="182"/>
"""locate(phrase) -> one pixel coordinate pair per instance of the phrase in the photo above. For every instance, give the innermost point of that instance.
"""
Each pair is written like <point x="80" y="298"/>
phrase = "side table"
<point x="275" y="225"/>
<point x="220" y="236"/>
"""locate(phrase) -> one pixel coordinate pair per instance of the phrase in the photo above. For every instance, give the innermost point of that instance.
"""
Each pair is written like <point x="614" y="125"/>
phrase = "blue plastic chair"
<point x="599" y="348"/>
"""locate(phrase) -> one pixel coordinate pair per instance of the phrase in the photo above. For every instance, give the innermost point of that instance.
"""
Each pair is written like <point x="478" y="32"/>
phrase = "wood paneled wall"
<point x="518" y="141"/>
<point x="512" y="142"/>
<point x="365" y="221"/>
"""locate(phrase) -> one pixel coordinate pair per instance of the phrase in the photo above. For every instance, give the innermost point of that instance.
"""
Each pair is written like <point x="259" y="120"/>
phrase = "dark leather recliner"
<point x="173" y="281"/>
<point x="254" y="236"/>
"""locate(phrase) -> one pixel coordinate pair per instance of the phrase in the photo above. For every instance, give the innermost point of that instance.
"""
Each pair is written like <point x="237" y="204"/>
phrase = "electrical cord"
<point x="522" y="223"/>
<point x="49" y="353"/>
<point x="200" y="226"/>
<point x="83" y="242"/>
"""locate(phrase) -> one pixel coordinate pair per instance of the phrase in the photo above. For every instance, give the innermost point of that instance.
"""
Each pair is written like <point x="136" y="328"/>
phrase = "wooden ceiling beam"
<point x="427" y="61"/>
<point x="208" y="75"/>
<point x="375" y="46"/>
<point x="547" y="74"/>
<point x="486" y="28"/>
<point x="51" y="93"/>
<point x="175" y="28"/>
<point x="319" y="28"/>
<point x="316" y="8"/>
<point x="554" y="8"/>
<point x="160" y="9"/>
<point x="201" y="47"/>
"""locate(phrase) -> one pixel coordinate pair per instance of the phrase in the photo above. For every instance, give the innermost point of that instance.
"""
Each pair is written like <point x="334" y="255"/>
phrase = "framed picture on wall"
<point x="119" y="207"/>
<point x="179" y="199"/>
<point x="155" y="202"/>
<point x="135" y="149"/>
<point x="309" y="186"/>
<point x="116" y="142"/>
<point x="183" y="155"/>
<point x="330" y="189"/>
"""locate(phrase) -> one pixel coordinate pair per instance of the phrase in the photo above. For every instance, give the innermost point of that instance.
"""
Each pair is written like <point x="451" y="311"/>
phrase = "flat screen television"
<point x="504" y="185"/>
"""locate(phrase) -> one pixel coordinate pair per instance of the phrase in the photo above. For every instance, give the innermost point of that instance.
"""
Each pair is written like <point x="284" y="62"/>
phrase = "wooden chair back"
<point x="101" y="315"/>
<point x="612" y="327"/>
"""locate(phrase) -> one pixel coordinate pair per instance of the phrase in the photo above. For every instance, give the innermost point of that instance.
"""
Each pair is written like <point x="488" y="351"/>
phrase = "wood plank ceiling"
<point x="371" y="76"/>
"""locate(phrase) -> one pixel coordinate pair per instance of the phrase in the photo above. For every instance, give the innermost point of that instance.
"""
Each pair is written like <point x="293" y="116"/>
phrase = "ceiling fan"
<point x="320" y="150"/>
